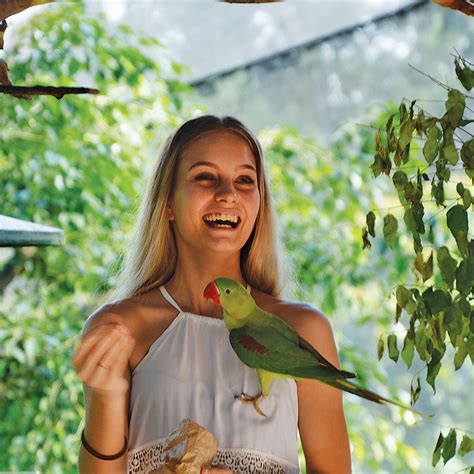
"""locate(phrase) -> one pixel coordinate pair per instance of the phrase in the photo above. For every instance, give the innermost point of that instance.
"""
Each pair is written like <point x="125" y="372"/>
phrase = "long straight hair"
<point x="151" y="257"/>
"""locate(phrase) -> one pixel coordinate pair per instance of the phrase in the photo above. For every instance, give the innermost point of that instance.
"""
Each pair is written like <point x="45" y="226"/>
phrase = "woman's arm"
<point x="321" y="421"/>
<point x="106" y="341"/>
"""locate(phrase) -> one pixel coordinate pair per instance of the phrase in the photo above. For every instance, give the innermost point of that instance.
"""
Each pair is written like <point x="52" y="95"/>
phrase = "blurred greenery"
<point x="80" y="164"/>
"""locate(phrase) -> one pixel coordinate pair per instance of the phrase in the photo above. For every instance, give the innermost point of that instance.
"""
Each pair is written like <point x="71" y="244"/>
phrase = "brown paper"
<point x="187" y="449"/>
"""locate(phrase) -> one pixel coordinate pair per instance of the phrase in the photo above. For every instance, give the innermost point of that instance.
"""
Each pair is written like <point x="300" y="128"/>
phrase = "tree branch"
<point x="12" y="7"/>
<point x="464" y="6"/>
<point x="58" y="92"/>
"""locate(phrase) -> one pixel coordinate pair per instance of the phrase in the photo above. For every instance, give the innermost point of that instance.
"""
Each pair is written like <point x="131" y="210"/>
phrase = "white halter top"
<point x="191" y="371"/>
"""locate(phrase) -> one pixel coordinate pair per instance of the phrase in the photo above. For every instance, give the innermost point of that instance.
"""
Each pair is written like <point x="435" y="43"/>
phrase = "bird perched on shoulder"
<point x="265" y="342"/>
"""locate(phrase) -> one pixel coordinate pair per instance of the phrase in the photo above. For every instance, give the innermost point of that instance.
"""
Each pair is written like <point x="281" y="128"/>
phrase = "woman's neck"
<point x="191" y="278"/>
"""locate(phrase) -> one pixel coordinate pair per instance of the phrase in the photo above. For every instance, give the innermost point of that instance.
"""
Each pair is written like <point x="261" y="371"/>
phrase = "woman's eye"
<point x="204" y="177"/>
<point x="247" y="179"/>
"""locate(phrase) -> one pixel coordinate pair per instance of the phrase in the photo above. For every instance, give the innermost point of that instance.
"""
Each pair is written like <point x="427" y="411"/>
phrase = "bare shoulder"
<point x="146" y="320"/>
<point x="121" y="312"/>
<point x="299" y="315"/>
<point x="307" y="320"/>
<point x="134" y="312"/>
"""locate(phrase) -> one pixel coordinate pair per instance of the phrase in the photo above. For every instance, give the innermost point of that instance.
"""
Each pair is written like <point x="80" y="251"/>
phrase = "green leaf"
<point x="409" y="219"/>
<point x="418" y="213"/>
<point x="403" y="112"/>
<point x="463" y="243"/>
<point x="442" y="171"/>
<point x="399" y="179"/>
<point x="470" y="344"/>
<point x="466" y="446"/>
<point x="428" y="123"/>
<point x="456" y="218"/>
<point x="430" y="234"/>
<point x="370" y="219"/>
<point x="450" y="153"/>
<point x="390" y="226"/>
<point x="392" y="347"/>
<point x="406" y="132"/>
<point x="378" y="165"/>
<point x="437" y="300"/>
<point x="449" y="445"/>
<point x="467" y="154"/>
<point x="389" y="125"/>
<point x="398" y="313"/>
<point x="461" y="353"/>
<point x="437" y="452"/>
<point x="380" y="347"/>
<point x="408" y="351"/>
<point x="454" y="323"/>
<point x="404" y="299"/>
<point x="437" y="192"/>
<point x="415" y="392"/>
<point x="465" y="73"/>
<point x="464" y="277"/>
<point x="424" y="269"/>
<point x="365" y="239"/>
<point x="447" y="266"/>
<point x="455" y="107"/>
<point x="431" y="147"/>
<point x="465" y="308"/>
<point x="433" y="368"/>
<point x="466" y="199"/>
<point x="410" y="191"/>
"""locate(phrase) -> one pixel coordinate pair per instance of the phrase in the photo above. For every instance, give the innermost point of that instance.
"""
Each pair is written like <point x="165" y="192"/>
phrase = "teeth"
<point x="221" y="217"/>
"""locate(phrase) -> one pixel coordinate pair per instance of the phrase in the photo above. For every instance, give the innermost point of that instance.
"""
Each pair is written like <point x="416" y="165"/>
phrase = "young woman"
<point x="159" y="352"/>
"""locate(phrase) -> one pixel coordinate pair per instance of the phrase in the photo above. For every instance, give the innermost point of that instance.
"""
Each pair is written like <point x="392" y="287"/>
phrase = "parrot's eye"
<point x="227" y="291"/>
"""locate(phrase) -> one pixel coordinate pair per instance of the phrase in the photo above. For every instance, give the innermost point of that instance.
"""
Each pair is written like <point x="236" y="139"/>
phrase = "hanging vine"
<point x="439" y="306"/>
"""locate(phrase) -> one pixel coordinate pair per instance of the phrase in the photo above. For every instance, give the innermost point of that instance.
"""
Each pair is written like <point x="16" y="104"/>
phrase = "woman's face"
<point x="216" y="175"/>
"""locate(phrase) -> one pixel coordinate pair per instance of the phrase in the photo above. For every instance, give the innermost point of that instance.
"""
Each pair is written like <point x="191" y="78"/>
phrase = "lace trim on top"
<point x="238" y="460"/>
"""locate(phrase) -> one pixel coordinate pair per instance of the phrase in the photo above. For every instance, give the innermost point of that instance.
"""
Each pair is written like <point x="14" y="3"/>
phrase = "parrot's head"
<point x="232" y="296"/>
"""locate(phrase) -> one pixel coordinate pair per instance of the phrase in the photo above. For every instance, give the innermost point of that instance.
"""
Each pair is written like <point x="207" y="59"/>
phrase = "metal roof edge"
<point x="306" y="44"/>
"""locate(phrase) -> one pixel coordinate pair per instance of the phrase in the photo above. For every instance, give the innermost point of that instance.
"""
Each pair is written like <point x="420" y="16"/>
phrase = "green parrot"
<point x="265" y="342"/>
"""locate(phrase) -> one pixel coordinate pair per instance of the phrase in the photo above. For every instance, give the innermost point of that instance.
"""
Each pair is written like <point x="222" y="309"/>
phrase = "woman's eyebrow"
<point x="209" y="163"/>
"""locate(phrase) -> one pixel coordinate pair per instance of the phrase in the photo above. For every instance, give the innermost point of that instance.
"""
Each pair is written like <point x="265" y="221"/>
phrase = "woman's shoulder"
<point x="133" y="311"/>
<point x="300" y="316"/>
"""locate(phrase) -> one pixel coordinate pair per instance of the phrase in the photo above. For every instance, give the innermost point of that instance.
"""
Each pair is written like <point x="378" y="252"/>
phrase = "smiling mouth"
<point x="223" y="224"/>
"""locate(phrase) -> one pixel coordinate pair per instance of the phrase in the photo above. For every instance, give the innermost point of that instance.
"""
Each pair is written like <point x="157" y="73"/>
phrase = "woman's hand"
<point x="101" y="361"/>
<point x="215" y="470"/>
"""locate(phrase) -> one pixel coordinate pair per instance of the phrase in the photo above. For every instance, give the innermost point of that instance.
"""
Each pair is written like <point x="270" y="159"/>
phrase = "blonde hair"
<point x="152" y="255"/>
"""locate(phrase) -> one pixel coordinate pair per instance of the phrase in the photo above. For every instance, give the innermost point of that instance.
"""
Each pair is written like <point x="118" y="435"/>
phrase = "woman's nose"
<point x="226" y="191"/>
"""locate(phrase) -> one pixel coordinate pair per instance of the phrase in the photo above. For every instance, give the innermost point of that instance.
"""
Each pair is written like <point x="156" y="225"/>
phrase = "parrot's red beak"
<point x="211" y="291"/>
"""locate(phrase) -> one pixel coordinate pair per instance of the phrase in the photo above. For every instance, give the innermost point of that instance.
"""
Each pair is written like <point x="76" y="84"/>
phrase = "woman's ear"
<point x="169" y="212"/>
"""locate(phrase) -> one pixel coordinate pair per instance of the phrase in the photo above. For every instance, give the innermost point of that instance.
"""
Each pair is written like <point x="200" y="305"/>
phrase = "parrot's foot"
<point x="254" y="400"/>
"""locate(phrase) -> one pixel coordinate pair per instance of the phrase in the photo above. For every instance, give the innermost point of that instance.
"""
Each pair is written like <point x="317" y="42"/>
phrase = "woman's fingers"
<point x="103" y="355"/>
<point x="116" y="359"/>
<point x="91" y="338"/>
<point x="94" y="344"/>
<point x="107" y="348"/>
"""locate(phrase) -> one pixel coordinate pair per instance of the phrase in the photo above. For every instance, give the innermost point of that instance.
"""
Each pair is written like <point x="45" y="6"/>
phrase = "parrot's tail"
<point x="369" y="395"/>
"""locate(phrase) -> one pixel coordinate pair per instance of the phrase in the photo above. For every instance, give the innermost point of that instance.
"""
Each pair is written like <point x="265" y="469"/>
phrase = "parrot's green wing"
<point x="284" y="336"/>
<point x="274" y="348"/>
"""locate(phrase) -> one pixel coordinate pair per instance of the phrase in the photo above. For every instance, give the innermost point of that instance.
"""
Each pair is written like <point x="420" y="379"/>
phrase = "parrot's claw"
<point x="254" y="400"/>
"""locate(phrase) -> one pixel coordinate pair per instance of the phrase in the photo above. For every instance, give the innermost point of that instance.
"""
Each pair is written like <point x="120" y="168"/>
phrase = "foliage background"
<point x="79" y="164"/>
